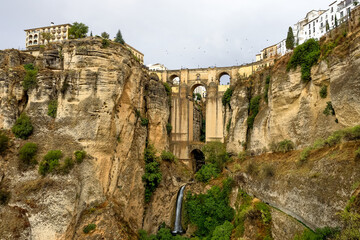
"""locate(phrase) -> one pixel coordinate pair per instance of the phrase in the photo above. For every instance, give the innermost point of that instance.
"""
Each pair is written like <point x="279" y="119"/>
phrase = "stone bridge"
<point x="183" y="82"/>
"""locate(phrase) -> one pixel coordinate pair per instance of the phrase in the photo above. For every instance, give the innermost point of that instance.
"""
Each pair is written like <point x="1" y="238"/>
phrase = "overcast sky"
<point x="177" y="33"/>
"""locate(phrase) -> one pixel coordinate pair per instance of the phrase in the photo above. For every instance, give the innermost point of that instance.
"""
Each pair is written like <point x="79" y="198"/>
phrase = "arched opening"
<point x="199" y="113"/>
<point x="175" y="80"/>
<point x="224" y="78"/>
<point x="198" y="159"/>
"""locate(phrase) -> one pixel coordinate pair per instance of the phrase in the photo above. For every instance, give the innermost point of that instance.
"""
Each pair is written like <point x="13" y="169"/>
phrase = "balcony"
<point x="59" y="36"/>
<point x="64" y="30"/>
<point x="53" y="31"/>
<point x="59" y="30"/>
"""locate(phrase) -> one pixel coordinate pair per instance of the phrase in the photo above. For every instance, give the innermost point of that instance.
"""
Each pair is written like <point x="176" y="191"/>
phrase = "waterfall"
<point x="177" y="226"/>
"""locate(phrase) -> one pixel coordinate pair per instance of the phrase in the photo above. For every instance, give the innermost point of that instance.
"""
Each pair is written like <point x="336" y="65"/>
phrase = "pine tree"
<point x="119" y="38"/>
<point x="290" y="40"/>
<point x="91" y="34"/>
<point x="327" y="26"/>
<point x="336" y="21"/>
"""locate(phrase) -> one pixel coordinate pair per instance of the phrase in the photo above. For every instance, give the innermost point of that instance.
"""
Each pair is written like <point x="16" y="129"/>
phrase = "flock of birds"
<point x="203" y="51"/>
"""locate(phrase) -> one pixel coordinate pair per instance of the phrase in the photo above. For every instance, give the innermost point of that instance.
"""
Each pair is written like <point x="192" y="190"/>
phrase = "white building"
<point x="156" y="67"/>
<point x="317" y="23"/>
<point x="281" y="48"/>
<point x="56" y="33"/>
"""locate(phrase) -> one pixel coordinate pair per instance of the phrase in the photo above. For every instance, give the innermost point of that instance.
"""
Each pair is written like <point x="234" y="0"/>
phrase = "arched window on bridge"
<point x="199" y="113"/>
<point x="175" y="79"/>
<point x="224" y="79"/>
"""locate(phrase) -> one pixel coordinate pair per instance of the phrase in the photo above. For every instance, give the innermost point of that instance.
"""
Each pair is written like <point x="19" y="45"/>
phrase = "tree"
<point x="105" y="35"/>
<point x="327" y="26"/>
<point x="119" y="38"/>
<point x="336" y="21"/>
<point x="78" y="30"/>
<point x="46" y="36"/>
<point x="290" y="40"/>
<point x="91" y="34"/>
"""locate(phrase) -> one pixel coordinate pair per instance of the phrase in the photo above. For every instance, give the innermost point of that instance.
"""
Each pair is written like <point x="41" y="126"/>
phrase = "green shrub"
<point x="105" y="43"/>
<point x="4" y="142"/>
<point x="306" y="55"/>
<point x="227" y="97"/>
<point x="52" y="108"/>
<point x="23" y="127"/>
<point x="319" y="143"/>
<point x="207" y="211"/>
<point x="29" y="66"/>
<point x="304" y="155"/>
<point x="4" y="197"/>
<point x="242" y="156"/>
<point x="215" y="153"/>
<point x="79" y="156"/>
<point x="67" y="166"/>
<point x="164" y="233"/>
<point x="319" y="234"/>
<point x="28" y="152"/>
<point x="283" y="146"/>
<point x="29" y="81"/>
<point x="352" y="133"/>
<point x="247" y="210"/>
<point x="329" y="109"/>
<point x="252" y="168"/>
<point x="253" y="110"/>
<point x="334" y="139"/>
<point x="357" y="155"/>
<point x="50" y="162"/>
<point x="167" y="88"/>
<point x="168" y="128"/>
<point x="144" y="121"/>
<point x="167" y="156"/>
<point x="137" y="113"/>
<point x="327" y="48"/>
<point x="78" y="30"/>
<point x="88" y="228"/>
<point x="228" y="125"/>
<point x="223" y="232"/>
<point x="207" y="172"/>
<point x="323" y="92"/>
<point x="268" y="170"/>
<point x="152" y="176"/>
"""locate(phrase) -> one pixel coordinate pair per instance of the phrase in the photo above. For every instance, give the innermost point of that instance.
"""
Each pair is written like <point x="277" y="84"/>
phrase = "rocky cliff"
<point x="102" y="95"/>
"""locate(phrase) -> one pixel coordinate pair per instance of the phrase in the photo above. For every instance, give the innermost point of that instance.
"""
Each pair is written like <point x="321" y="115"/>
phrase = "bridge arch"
<point x="198" y="159"/>
<point x="174" y="79"/>
<point x="224" y="77"/>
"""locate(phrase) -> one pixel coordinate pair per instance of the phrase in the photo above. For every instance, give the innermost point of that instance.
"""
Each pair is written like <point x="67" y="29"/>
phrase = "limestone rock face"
<point x="98" y="91"/>
<point x="295" y="109"/>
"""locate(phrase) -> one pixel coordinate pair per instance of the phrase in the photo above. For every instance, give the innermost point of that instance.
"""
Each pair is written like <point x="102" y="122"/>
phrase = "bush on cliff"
<point x="253" y="110"/>
<point x="52" y="108"/>
<point x="207" y="211"/>
<point x="79" y="156"/>
<point x="152" y="176"/>
<point x="167" y="156"/>
<point x="227" y="97"/>
<point x="207" y="172"/>
<point x="23" y="127"/>
<point x="28" y="152"/>
<point x="282" y="146"/>
<point x="50" y="162"/>
<point x="215" y="153"/>
<point x="4" y="142"/>
<point x="29" y="81"/>
<point x="306" y="55"/>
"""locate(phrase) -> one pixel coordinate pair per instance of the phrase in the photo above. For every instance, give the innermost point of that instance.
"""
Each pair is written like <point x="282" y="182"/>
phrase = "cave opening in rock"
<point x="198" y="158"/>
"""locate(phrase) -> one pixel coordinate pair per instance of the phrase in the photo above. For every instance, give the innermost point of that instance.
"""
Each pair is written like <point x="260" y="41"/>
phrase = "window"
<point x="332" y="9"/>
<point x="309" y="31"/>
<point x="341" y="14"/>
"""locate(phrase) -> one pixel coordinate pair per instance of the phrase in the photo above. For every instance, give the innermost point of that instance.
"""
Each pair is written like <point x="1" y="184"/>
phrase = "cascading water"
<point x="177" y="226"/>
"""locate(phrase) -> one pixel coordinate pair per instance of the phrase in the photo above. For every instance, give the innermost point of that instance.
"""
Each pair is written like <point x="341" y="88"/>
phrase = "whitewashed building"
<point x="281" y="48"/>
<point x="317" y="23"/>
<point x="156" y="67"/>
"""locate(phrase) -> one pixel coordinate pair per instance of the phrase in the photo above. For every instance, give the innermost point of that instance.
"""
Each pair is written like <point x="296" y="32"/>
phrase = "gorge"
<point x="271" y="178"/>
